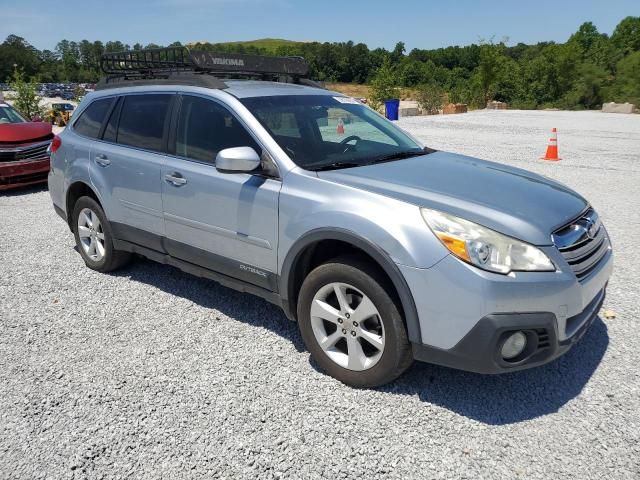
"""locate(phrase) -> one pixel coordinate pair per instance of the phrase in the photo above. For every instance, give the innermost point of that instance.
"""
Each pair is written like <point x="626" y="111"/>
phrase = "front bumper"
<point x="479" y="350"/>
<point x="22" y="173"/>
<point x="465" y="312"/>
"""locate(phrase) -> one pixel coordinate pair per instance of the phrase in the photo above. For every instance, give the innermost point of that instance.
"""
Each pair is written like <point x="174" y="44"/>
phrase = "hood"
<point x="24" y="132"/>
<point x="510" y="200"/>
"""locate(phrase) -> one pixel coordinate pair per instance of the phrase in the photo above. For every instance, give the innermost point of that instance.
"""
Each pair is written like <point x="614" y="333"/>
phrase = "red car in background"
<point x="24" y="156"/>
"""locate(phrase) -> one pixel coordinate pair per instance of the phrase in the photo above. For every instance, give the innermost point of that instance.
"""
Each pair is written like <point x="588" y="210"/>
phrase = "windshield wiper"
<point x="336" y="166"/>
<point x="396" y="156"/>
<point x="383" y="158"/>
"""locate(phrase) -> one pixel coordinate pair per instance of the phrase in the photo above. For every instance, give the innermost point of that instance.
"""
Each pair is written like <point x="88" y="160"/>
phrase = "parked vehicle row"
<point x="66" y="91"/>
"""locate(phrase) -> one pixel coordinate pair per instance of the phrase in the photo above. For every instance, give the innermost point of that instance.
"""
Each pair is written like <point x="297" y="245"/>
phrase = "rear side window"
<point x="206" y="127"/>
<point x="90" y="121"/>
<point x="142" y="120"/>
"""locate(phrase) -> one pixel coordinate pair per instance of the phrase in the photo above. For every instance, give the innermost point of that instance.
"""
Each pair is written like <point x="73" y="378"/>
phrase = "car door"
<point x="127" y="165"/>
<point x="76" y="162"/>
<point x="227" y="222"/>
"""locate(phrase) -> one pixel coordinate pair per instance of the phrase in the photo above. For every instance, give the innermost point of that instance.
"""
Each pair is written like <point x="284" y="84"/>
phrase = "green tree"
<point x="430" y="98"/>
<point x="48" y="66"/>
<point x="16" y="51"/>
<point x="586" y="37"/>
<point x="384" y="85"/>
<point x="398" y="52"/>
<point x="488" y="72"/>
<point x="626" y="36"/>
<point x="26" y="101"/>
<point x="548" y="74"/>
<point x="626" y="85"/>
<point x="587" y="91"/>
<point x="594" y="47"/>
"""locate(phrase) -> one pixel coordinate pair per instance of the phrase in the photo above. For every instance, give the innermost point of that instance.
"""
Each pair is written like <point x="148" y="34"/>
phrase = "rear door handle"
<point x="175" y="179"/>
<point x="102" y="160"/>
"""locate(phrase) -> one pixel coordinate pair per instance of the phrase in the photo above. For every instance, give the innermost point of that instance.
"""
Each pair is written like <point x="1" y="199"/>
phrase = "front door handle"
<point x="102" y="160"/>
<point x="175" y="179"/>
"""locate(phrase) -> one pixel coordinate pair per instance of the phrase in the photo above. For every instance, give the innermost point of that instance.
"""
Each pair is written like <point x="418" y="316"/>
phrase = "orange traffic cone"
<point x="552" y="149"/>
<point x="340" y="129"/>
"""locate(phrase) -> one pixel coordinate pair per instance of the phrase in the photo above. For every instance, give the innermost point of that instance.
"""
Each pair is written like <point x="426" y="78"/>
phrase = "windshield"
<point x="324" y="132"/>
<point x="9" y="115"/>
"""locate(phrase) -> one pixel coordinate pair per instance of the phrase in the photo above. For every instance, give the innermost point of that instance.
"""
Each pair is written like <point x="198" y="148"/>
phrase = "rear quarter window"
<point x="90" y="121"/>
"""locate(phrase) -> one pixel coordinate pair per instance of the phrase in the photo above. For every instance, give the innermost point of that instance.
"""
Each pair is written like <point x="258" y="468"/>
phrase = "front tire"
<point x="94" y="237"/>
<point x="352" y="325"/>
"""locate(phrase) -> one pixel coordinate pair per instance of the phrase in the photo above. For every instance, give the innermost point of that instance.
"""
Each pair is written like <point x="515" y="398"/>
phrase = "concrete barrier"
<point x="454" y="108"/>
<point x="495" y="105"/>
<point x="409" y="112"/>
<point x="613" y="107"/>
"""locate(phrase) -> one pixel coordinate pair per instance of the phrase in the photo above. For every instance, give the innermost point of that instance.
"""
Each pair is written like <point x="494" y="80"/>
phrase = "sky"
<point x="420" y="24"/>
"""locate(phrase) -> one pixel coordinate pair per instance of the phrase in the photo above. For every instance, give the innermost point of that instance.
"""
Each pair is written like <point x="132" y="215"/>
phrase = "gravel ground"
<point x="152" y="373"/>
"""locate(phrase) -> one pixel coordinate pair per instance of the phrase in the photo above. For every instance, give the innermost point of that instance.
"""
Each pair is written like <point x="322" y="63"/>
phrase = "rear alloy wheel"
<point x="94" y="237"/>
<point x="91" y="234"/>
<point x="351" y="323"/>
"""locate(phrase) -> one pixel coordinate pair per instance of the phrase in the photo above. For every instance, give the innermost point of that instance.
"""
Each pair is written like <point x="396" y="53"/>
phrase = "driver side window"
<point x="206" y="127"/>
<point x="340" y="124"/>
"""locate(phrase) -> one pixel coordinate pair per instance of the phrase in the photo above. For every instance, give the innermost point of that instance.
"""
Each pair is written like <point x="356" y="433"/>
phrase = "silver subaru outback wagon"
<point x="383" y="250"/>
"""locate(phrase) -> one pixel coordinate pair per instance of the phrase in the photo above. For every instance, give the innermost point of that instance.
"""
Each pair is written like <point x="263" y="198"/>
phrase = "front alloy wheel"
<point x="347" y="326"/>
<point x="351" y="323"/>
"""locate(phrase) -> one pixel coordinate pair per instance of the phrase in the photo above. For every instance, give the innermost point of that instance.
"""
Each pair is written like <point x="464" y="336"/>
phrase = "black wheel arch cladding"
<point x="288" y="287"/>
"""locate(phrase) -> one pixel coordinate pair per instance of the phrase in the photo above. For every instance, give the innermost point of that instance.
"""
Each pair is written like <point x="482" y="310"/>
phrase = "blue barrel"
<point x="391" y="108"/>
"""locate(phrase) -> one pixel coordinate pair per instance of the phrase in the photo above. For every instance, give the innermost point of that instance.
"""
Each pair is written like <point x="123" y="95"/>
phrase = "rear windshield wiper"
<point x="335" y="166"/>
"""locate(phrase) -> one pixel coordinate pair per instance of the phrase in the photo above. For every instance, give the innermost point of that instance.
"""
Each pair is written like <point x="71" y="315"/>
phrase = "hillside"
<point x="269" y="44"/>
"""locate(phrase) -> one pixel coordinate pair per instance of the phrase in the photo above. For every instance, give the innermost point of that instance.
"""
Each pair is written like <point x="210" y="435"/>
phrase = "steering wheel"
<point x="345" y="141"/>
<point x="349" y="138"/>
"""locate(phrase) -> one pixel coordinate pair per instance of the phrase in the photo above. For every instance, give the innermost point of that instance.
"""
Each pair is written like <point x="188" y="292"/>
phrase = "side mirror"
<point x="237" y="160"/>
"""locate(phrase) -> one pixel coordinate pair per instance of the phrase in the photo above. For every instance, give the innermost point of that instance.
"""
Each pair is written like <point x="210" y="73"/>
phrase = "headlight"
<point x="485" y="248"/>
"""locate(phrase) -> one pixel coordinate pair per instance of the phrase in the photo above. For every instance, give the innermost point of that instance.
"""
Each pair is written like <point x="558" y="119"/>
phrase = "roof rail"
<point x="161" y="62"/>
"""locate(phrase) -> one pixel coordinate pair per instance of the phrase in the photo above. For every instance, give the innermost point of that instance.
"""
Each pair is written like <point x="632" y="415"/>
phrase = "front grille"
<point x="574" y="323"/>
<point x="31" y="152"/>
<point x="583" y="243"/>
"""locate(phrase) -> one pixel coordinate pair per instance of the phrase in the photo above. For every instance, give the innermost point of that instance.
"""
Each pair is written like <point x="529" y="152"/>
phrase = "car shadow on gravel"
<point x="490" y="399"/>
<point x="240" y="306"/>
<point x="511" y="397"/>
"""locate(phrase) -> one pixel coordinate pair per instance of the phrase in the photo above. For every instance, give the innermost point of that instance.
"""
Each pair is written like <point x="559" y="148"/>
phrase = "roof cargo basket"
<point x="158" y="63"/>
<point x="144" y="63"/>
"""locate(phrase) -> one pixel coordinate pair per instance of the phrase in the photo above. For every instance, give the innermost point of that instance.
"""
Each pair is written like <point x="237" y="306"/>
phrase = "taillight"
<point x="56" y="143"/>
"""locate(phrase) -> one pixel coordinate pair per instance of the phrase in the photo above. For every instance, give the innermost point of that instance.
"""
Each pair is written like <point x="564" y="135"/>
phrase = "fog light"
<point x="513" y="345"/>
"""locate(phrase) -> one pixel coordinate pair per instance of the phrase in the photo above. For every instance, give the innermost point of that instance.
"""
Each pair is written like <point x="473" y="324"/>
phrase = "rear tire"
<point x="375" y="349"/>
<point x="94" y="237"/>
